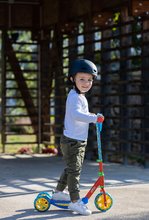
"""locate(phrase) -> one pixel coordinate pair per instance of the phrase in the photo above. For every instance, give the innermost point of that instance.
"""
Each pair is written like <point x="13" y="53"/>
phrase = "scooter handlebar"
<point x="100" y="118"/>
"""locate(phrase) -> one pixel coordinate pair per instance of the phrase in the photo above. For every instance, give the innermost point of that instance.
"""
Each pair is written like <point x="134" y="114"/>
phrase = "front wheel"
<point x="100" y="202"/>
<point x="42" y="203"/>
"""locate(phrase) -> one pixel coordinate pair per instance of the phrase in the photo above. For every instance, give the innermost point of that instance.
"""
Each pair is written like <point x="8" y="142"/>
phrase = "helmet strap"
<point x="77" y="90"/>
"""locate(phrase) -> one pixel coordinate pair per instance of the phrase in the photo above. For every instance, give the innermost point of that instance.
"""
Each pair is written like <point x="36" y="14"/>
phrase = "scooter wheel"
<point x="100" y="203"/>
<point x="41" y="203"/>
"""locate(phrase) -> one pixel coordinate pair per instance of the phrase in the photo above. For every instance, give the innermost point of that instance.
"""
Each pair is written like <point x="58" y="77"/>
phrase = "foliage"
<point x="116" y="19"/>
<point x="25" y="150"/>
<point x="50" y="150"/>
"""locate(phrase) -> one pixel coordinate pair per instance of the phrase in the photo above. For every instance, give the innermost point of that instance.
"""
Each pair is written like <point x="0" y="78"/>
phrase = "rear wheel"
<point x="41" y="203"/>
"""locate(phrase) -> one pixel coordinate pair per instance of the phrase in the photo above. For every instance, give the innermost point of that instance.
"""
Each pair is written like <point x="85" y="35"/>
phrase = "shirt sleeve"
<point x="78" y="114"/>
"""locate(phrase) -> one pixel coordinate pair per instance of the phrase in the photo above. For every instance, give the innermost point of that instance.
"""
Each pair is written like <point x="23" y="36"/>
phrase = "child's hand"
<point x="100" y="118"/>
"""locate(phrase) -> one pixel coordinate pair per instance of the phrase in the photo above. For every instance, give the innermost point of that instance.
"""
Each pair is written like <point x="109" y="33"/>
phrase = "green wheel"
<point x="100" y="204"/>
<point x="41" y="203"/>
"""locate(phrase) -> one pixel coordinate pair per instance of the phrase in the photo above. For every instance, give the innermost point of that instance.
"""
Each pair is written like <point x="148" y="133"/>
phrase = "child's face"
<point x="83" y="81"/>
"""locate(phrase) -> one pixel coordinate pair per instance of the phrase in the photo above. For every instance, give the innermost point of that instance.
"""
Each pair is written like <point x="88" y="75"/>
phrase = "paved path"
<point x="22" y="177"/>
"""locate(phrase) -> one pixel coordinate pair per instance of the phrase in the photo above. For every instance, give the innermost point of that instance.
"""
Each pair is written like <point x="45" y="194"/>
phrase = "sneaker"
<point x="79" y="207"/>
<point x="61" y="196"/>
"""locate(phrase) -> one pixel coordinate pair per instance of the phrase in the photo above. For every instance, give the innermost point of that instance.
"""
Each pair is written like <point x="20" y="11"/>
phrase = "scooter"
<point x="103" y="201"/>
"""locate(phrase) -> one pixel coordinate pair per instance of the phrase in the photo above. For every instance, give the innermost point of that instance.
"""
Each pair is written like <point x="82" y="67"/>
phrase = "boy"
<point x="75" y="134"/>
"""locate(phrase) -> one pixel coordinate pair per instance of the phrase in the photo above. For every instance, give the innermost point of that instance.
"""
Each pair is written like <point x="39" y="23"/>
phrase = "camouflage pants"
<point x="73" y="153"/>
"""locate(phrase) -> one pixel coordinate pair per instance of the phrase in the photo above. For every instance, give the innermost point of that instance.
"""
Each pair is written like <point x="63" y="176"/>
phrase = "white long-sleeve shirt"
<point x="77" y="116"/>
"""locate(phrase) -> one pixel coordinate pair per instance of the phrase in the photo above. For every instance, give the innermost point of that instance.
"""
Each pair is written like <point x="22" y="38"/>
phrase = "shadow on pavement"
<point x="52" y="214"/>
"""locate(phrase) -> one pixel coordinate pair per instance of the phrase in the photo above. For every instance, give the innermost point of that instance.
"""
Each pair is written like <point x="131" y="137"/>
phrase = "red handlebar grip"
<point x="100" y="119"/>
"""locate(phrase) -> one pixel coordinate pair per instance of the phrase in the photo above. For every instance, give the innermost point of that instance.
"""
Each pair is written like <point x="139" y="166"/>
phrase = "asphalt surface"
<point x="23" y="177"/>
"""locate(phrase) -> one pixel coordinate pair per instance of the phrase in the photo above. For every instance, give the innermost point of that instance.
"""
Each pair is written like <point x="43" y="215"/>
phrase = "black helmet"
<point x="82" y="66"/>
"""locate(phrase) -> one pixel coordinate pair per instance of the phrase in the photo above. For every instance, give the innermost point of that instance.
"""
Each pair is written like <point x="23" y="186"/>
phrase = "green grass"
<point x="13" y="148"/>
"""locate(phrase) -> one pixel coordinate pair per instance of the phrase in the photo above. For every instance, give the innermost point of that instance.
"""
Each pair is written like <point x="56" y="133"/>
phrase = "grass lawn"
<point x="13" y="148"/>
